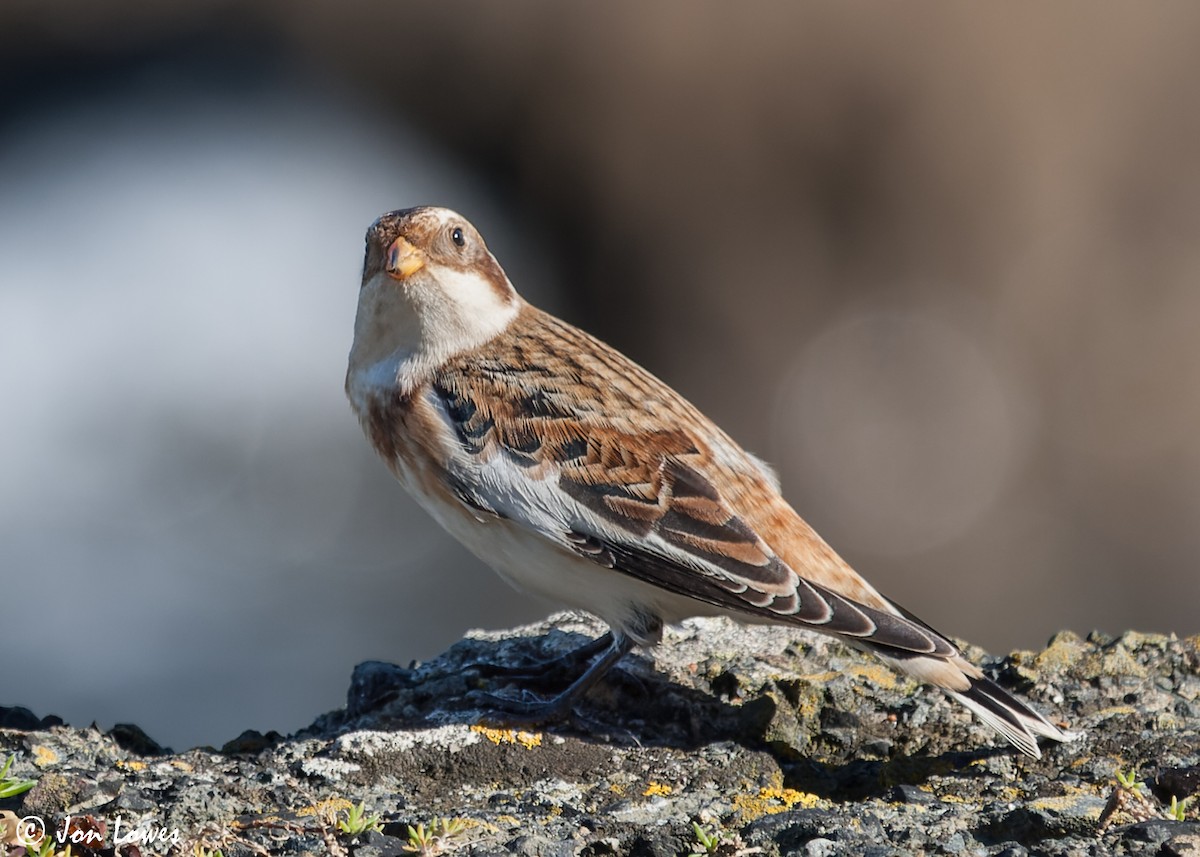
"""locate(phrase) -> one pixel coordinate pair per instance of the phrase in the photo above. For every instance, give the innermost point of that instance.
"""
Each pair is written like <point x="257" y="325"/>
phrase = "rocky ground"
<point x="726" y="740"/>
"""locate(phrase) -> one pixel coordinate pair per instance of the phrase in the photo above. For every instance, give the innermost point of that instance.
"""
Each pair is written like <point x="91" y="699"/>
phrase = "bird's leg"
<point x="514" y="712"/>
<point x="550" y="672"/>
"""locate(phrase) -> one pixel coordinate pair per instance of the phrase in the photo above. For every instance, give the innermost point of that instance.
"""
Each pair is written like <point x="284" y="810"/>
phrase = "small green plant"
<point x="358" y="821"/>
<point x="708" y="840"/>
<point x="1130" y="781"/>
<point x="45" y="848"/>
<point x="11" y="786"/>
<point x="1178" y="808"/>
<point x="712" y="840"/>
<point x="435" y="839"/>
<point x="1130" y="798"/>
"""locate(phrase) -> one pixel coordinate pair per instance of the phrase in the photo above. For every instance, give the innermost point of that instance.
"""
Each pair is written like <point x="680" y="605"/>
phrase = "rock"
<point x="1187" y="845"/>
<point x="251" y="742"/>
<point x="1158" y="831"/>
<point x="765" y="738"/>
<point x="24" y="719"/>
<point x="910" y="794"/>
<point x="132" y="738"/>
<point x="53" y="794"/>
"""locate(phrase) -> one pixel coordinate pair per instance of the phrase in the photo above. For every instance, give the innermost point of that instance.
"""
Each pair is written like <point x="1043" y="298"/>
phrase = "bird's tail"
<point x="873" y="623"/>
<point x="1016" y="721"/>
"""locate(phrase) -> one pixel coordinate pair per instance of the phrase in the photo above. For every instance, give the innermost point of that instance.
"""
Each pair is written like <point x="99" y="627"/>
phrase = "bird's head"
<point x="430" y="290"/>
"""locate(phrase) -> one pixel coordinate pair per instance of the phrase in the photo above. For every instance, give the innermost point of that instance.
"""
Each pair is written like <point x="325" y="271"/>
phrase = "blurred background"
<point x="939" y="264"/>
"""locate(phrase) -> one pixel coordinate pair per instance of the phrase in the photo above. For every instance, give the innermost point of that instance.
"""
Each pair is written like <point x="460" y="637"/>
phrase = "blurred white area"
<point x="906" y="425"/>
<point x="194" y="535"/>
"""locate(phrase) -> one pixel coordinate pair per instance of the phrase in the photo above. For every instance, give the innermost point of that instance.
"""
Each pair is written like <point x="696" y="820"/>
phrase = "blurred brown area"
<point x="938" y="263"/>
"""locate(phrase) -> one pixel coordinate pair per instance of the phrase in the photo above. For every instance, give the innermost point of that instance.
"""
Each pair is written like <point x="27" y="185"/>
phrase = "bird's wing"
<point x="643" y="499"/>
<point x="665" y="522"/>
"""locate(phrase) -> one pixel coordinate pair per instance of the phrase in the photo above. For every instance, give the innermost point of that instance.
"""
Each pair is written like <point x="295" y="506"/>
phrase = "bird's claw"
<point x="547" y="673"/>
<point x="529" y="710"/>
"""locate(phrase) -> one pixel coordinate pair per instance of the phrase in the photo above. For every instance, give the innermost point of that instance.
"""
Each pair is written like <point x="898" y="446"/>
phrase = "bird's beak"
<point x="403" y="259"/>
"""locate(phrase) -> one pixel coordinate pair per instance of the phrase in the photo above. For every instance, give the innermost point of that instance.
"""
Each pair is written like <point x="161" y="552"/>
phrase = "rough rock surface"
<point x="772" y="741"/>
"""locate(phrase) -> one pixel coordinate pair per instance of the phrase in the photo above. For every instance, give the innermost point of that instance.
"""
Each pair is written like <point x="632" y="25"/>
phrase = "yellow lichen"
<point x="329" y="806"/>
<point x="1062" y="803"/>
<point x="875" y="674"/>
<point x="528" y="740"/>
<point x="879" y="675"/>
<point x="771" y="800"/>
<point x="43" y="756"/>
<point x="953" y="799"/>
<point x="1119" y="662"/>
<point x="657" y="789"/>
<point x="1062" y="651"/>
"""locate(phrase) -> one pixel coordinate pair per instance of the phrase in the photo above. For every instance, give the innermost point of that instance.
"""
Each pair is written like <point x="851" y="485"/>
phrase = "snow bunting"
<point x="578" y="475"/>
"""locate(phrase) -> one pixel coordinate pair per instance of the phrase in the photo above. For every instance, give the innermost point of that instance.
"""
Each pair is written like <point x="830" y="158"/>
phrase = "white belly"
<point x="535" y="564"/>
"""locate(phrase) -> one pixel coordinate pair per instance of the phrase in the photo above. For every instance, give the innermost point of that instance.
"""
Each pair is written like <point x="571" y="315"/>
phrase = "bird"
<point x="579" y="476"/>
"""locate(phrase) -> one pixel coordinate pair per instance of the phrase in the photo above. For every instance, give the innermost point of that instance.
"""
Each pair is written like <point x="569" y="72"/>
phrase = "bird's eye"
<point x="456" y="235"/>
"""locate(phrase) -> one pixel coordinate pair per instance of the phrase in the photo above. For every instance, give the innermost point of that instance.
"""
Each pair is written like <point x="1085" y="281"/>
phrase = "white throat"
<point x="404" y="332"/>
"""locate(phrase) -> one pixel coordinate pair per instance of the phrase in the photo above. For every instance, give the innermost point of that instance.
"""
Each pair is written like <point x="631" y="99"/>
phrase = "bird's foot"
<point x="526" y="710"/>
<point x="554" y="672"/>
<point x="530" y="709"/>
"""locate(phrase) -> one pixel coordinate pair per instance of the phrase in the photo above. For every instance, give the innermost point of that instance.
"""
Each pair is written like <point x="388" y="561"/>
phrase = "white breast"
<point x="525" y="542"/>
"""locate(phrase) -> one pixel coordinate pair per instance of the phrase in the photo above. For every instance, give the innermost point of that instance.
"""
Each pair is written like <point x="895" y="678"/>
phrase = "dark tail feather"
<point x="1017" y="722"/>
